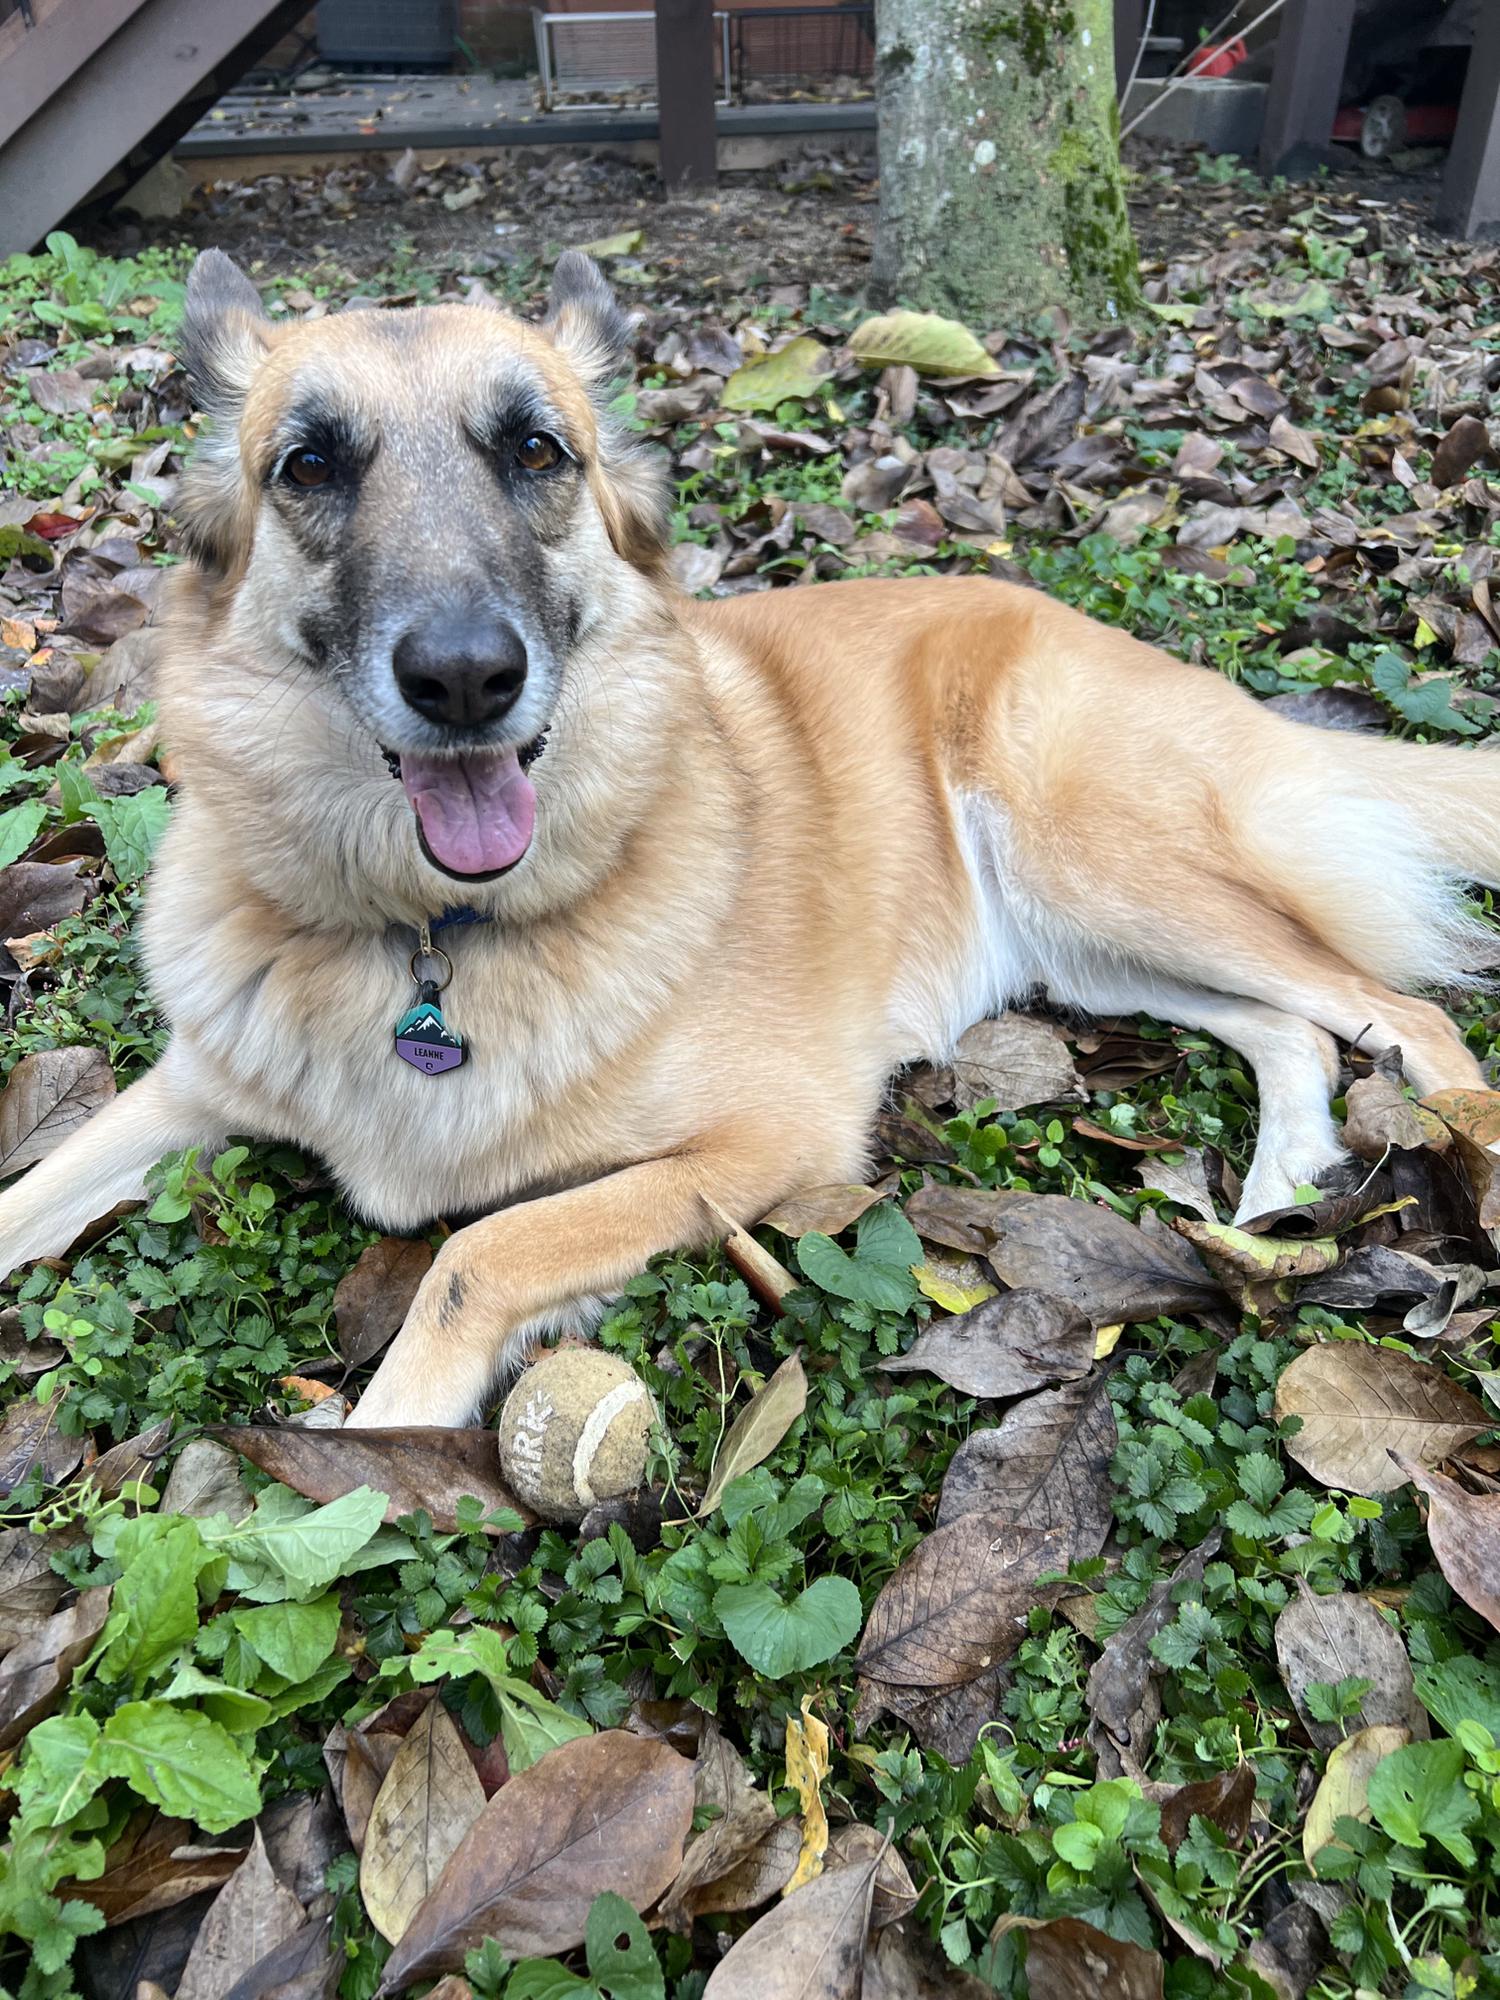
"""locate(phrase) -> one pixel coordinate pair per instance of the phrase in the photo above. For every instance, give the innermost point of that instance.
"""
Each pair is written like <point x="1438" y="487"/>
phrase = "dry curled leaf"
<point x="806" y="1767"/>
<point x="1044" y="1465"/>
<point x="1004" y="1346"/>
<point x="607" y="1811"/>
<point x="416" y="1468"/>
<point x="1464" y="1530"/>
<point x="1358" y="1404"/>
<point x="758" y="1429"/>
<point x="901" y="1964"/>
<point x="47" y="1096"/>
<point x="958" y="1603"/>
<point x="744" y="1816"/>
<point x="374" y="1298"/>
<point x="811" y="1946"/>
<point x="1338" y="1636"/>
<point x="429" y="1799"/>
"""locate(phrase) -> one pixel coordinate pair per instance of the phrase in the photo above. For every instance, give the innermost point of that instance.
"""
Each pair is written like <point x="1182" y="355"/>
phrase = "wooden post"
<point x="1312" y="45"/>
<point x="1130" y="22"/>
<point x="685" y="31"/>
<point x="1470" y="200"/>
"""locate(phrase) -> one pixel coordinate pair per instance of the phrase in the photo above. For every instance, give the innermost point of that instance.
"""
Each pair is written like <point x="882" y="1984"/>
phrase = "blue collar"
<point x="458" y="913"/>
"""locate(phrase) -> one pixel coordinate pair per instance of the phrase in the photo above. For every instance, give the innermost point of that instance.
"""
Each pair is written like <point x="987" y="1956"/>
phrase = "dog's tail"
<point x="1384" y="841"/>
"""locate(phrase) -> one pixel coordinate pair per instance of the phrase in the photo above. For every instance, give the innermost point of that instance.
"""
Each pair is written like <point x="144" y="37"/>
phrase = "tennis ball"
<point x="574" y="1430"/>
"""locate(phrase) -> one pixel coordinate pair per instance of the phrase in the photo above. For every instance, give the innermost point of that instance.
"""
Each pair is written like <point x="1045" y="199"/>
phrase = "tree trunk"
<point x="1000" y="183"/>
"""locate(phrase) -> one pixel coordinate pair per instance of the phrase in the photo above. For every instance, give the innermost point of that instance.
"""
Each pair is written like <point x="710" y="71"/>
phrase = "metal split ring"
<point x="433" y="952"/>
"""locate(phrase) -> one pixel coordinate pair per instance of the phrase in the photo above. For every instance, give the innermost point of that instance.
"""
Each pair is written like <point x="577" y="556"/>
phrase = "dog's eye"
<point x="538" y="453"/>
<point x="306" y="468"/>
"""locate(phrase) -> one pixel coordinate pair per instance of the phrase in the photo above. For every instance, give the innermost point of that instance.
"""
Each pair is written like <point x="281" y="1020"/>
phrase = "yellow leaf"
<point x="1343" y="1791"/>
<point x="806" y="1768"/>
<point x="945" y="1292"/>
<point x="1424" y="634"/>
<point x="1106" y="1340"/>
<point x="615" y="246"/>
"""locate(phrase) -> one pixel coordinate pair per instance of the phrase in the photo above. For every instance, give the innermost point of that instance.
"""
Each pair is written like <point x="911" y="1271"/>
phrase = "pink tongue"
<point x="476" y="813"/>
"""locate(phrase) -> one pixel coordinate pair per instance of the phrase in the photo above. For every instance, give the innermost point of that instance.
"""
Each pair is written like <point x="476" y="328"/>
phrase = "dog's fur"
<point x="784" y="843"/>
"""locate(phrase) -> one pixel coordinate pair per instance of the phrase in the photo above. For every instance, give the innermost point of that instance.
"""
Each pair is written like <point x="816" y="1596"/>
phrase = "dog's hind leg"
<point x="1295" y="1065"/>
<point x="495" y="1279"/>
<point x="104" y="1162"/>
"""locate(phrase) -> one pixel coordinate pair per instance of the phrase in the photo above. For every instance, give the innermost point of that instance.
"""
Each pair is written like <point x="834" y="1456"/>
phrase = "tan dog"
<point x="772" y="848"/>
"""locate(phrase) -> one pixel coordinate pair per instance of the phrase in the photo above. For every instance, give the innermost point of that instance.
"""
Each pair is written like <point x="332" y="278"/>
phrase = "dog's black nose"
<point x="462" y="672"/>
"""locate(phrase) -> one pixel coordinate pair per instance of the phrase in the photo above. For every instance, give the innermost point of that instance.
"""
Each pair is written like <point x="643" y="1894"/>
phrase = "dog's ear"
<point x="585" y="320"/>
<point x="221" y="343"/>
<point x="223" y="336"/>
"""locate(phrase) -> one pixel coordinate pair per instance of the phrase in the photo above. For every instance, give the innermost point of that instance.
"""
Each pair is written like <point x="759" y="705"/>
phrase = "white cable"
<point x="1176" y="82"/>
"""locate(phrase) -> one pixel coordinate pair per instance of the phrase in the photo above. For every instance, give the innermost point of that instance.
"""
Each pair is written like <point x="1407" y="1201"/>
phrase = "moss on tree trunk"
<point x="1000" y="183"/>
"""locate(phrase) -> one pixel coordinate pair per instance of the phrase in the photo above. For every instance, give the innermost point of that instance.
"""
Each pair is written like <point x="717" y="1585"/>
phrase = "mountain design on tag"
<point x="425" y="1040"/>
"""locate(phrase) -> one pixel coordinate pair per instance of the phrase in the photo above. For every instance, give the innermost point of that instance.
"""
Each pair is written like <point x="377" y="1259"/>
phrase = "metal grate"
<point x="592" y="60"/>
<point x="393" y="33"/>
<point x="801" y="48"/>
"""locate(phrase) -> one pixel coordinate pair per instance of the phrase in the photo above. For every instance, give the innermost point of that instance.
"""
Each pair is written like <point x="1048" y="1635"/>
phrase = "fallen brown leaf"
<point x="1341" y="1635"/>
<point x="1067" y="1959"/>
<point x="250" y="1916"/>
<point x="1473" y="1117"/>
<point x="155" y="1863"/>
<point x="1343" y="1789"/>
<point x="1097" y="1260"/>
<point x="1121" y="1692"/>
<point x="607" y="1811"/>
<point x="1464" y="1530"/>
<point x="1045" y="1466"/>
<point x="959" y="1218"/>
<point x="1226" y="1799"/>
<point x="825" y="1209"/>
<point x="1004" y="1346"/>
<point x="1358" y="1404"/>
<point x="745" y="1816"/>
<point x="29" y="1585"/>
<point x="47" y="1095"/>
<point x="34" y="1676"/>
<point x="428" y="1801"/>
<point x="417" y="1468"/>
<point x="373" y="1299"/>
<point x="853" y="1844"/>
<point x="758" y="1429"/>
<point x="811" y="1946"/>
<point x="959" y="1601"/>
<point x="1016" y="1059"/>
<point x="903" y="1965"/>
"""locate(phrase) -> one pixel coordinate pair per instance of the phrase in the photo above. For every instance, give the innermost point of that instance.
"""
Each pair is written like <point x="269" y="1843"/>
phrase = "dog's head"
<point x="427" y="513"/>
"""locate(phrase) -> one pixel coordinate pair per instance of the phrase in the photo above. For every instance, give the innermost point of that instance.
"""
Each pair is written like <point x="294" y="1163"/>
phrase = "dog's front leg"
<point x="105" y="1161"/>
<point x="491" y="1279"/>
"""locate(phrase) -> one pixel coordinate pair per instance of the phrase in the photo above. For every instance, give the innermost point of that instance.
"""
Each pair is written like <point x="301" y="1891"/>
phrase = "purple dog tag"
<point x="424" y="1040"/>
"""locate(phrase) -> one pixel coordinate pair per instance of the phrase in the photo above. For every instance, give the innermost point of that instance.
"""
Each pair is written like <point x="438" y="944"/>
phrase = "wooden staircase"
<point x="92" y="92"/>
